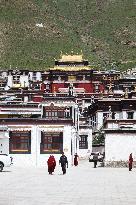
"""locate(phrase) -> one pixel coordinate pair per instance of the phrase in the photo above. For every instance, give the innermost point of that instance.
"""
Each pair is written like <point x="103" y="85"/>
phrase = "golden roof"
<point x="71" y="68"/>
<point x="71" y="58"/>
<point x="16" y="85"/>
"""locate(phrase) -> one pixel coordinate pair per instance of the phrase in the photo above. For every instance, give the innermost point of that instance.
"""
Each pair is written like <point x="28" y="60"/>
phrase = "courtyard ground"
<point x="82" y="185"/>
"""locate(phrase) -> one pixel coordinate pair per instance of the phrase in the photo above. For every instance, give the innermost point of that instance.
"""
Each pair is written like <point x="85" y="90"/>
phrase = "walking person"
<point x="63" y="161"/>
<point x="130" y="162"/>
<point x="95" y="160"/>
<point x="51" y="164"/>
<point x="76" y="157"/>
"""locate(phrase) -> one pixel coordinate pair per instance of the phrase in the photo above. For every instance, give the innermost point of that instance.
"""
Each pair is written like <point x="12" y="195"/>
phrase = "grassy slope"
<point x="104" y="29"/>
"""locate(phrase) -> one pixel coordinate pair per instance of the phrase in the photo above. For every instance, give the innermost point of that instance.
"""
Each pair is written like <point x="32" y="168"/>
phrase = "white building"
<point x="120" y="141"/>
<point x="31" y="141"/>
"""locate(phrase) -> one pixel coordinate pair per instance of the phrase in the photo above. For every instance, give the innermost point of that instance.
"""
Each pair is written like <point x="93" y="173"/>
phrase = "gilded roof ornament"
<point x="71" y="61"/>
<point x="71" y="58"/>
<point x="71" y="68"/>
<point x="126" y="93"/>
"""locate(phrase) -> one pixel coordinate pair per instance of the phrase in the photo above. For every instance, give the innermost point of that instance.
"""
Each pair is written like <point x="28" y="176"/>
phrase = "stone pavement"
<point x="82" y="185"/>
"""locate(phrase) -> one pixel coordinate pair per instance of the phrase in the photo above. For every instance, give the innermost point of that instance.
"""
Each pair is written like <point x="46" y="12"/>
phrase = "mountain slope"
<point x="33" y="32"/>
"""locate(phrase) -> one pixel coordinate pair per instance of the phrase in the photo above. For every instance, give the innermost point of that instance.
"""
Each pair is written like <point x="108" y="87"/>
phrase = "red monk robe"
<point x="130" y="162"/>
<point x="51" y="164"/>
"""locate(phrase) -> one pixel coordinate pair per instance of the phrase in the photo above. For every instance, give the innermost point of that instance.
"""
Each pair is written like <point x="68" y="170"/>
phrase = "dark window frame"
<point x="51" y="143"/>
<point x="20" y="142"/>
<point x="56" y="113"/>
<point x="130" y="115"/>
<point x="83" y="142"/>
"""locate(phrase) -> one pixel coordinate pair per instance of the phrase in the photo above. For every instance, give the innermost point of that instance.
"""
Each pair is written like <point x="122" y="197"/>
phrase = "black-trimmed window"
<point x="105" y="116"/>
<point x="83" y="142"/>
<point x="54" y="113"/>
<point x="113" y="115"/>
<point x="130" y="115"/>
<point x="51" y="142"/>
<point x="20" y="142"/>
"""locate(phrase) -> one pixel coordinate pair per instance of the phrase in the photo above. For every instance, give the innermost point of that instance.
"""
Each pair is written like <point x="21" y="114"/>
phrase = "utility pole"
<point x="76" y="124"/>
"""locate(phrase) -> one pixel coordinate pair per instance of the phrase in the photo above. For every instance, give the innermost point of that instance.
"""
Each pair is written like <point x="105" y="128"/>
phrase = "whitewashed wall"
<point x="10" y="81"/>
<point x="99" y="119"/>
<point x="26" y="160"/>
<point x="37" y="159"/>
<point x="118" y="146"/>
<point x="4" y="146"/>
<point x="24" y="81"/>
<point x="42" y="158"/>
<point x="84" y="153"/>
<point x="38" y="76"/>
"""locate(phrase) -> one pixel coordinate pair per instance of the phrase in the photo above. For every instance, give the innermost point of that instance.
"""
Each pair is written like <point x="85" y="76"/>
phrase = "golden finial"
<point x="126" y="93"/>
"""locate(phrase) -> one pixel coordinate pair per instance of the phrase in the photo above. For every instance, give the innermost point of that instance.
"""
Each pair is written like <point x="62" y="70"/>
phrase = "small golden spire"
<point x="126" y="93"/>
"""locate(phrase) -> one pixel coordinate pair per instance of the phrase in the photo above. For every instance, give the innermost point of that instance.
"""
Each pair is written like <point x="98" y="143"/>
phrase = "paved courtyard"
<point x="82" y="185"/>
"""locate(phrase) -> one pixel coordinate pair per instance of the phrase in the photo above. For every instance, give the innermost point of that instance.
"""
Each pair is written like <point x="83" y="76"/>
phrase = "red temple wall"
<point x="101" y="87"/>
<point x="55" y="87"/>
<point x="37" y="99"/>
<point x="89" y="88"/>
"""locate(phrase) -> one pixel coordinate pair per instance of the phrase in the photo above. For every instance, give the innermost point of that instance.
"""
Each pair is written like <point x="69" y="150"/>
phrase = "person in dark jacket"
<point x="63" y="161"/>
<point x="51" y="164"/>
<point x="76" y="159"/>
<point x="130" y="162"/>
<point x="95" y="159"/>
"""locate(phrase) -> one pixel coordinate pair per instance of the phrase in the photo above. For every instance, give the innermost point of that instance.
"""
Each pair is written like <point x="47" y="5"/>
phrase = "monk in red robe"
<point x="130" y="162"/>
<point x="51" y="164"/>
<point x="76" y="159"/>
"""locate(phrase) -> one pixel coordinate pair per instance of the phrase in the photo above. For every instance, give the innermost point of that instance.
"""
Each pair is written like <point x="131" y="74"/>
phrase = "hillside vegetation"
<point x="105" y="30"/>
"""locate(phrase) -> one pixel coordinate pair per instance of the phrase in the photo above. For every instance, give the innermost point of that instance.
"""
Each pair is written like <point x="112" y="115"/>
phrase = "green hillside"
<point x="105" y="30"/>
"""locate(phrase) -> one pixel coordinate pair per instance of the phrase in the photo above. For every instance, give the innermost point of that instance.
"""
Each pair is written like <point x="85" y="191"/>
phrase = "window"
<point x="61" y="113"/>
<point x="105" y="116"/>
<point x="130" y="115"/>
<point x="113" y="115"/>
<point x="83" y="143"/>
<point x="54" y="113"/>
<point x="51" y="142"/>
<point x="20" y="142"/>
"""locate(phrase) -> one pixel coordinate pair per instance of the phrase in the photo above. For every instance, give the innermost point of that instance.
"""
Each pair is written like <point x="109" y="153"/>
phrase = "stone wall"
<point x="118" y="164"/>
